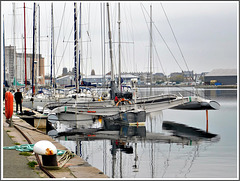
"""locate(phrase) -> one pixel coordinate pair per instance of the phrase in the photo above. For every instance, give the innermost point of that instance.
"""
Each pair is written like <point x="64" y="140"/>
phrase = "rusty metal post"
<point x="207" y="121"/>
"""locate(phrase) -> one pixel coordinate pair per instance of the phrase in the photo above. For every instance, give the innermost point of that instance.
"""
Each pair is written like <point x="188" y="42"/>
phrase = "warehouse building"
<point x="221" y="77"/>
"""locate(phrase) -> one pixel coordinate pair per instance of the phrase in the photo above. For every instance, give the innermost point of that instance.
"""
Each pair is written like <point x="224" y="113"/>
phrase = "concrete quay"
<point x="15" y="165"/>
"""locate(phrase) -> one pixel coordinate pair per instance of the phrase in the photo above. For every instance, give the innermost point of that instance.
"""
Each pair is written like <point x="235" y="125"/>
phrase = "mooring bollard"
<point x="48" y="152"/>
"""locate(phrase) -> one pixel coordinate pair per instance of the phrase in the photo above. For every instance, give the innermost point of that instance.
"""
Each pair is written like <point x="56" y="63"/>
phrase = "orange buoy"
<point x="8" y="105"/>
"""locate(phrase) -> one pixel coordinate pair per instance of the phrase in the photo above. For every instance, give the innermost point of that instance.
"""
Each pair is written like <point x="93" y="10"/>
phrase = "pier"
<point x="76" y="167"/>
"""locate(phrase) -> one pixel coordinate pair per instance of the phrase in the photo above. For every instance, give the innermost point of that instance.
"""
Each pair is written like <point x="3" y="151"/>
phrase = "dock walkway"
<point x="15" y="165"/>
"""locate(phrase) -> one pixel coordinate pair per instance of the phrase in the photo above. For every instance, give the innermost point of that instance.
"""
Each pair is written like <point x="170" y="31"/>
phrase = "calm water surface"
<point x="155" y="158"/>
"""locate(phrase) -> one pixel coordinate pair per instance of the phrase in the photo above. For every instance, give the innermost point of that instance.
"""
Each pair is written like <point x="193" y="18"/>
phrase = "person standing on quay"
<point x="18" y="98"/>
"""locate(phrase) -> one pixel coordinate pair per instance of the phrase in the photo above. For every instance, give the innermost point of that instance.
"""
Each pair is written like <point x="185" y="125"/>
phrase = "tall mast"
<point x="22" y="62"/>
<point x="80" y="37"/>
<point x="110" y="43"/>
<point x="53" y="54"/>
<point x="151" y="50"/>
<point x="39" y="38"/>
<point x="119" y="49"/>
<point x="104" y="48"/>
<point x="25" y="56"/>
<point x="14" y="47"/>
<point x="35" y="62"/>
<point x="4" y="74"/>
<point x="103" y="39"/>
<point x="111" y="58"/>
<point x="38" y="62"/>
<point x="33" y="48"/>
<point x="76" y="47"/>
<point x="51" y="42"/>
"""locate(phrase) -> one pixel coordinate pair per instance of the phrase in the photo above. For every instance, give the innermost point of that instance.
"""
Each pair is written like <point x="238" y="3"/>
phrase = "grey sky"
<point x="206" y="33"/>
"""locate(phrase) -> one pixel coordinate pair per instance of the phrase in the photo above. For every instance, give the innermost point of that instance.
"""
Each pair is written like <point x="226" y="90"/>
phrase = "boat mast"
<point x="25" y="56"/>
<point x="80" y="37"/>
<point x="76" y="47"/>
<point x="14" y="48"/>
<point x="39" y="38"/>
<point x="35" y="61"/>
<point x="38" y="62"/>
<point x="4" y="74"/>
<point x="33" y="49"/>
<point x="103" y="40"/>
<point x="51" y="42"/>
<point x="22" y="62"/>
<point x="119" y="49"/>
<point x="53" y="54"/>
<point x="151" y="50"/>
<point x="111" y="58"/>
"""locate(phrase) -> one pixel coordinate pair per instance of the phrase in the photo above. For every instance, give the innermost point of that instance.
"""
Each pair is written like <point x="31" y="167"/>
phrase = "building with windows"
<point x="9" y="63"/>
<point x="19" y="64"/>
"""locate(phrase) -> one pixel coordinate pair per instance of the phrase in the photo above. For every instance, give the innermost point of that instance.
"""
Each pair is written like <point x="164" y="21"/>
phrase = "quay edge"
<point x="76" y="167"/>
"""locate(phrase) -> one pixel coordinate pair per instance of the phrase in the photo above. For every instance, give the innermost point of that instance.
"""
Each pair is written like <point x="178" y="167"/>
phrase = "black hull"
<point x="185" y="131"/>
<point x="211" y="105"/>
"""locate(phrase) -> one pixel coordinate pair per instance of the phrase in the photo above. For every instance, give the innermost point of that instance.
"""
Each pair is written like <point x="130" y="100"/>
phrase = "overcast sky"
<point x="206" y="33"/>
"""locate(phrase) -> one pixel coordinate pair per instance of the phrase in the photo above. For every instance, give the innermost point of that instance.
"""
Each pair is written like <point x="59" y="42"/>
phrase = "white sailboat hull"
<point x="83" y="112"/>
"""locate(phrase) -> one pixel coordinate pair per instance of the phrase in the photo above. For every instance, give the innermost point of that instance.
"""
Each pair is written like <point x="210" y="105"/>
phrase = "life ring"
<point x="8" y="105"/>
<point x="123" y="100"/>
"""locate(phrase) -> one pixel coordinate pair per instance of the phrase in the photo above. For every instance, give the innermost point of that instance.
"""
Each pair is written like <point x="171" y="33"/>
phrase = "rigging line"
<point x="101" y="24"/>
<point x="176" y="41"/>
<point x="65" y="47"/>
<point x="175" y="37"/>
<point x="68" y="21"/>
<point x="168" y="47"/>
<point x="154" y="45"/>
<point x="90" y="43"/>
<point x="128" y="29"/>
<point x="166" y="44"/>
<point x="55" y="48"/>
<point x="131" y="29"/>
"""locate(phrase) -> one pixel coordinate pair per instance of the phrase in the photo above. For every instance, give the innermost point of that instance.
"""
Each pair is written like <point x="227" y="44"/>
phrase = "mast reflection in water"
<point x="134" y="145"/>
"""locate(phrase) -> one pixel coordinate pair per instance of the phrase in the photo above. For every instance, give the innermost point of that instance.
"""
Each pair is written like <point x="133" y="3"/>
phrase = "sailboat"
<point x="97" y="108"/>
<point x="34" y="100"/>
<point x="146" y="104"/>
<point x="122" y="137"/>
<point x="189" y="103"/>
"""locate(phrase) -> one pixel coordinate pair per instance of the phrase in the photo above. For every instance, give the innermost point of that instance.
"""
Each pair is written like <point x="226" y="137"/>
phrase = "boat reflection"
<point x="186" y="132"/>
<point x="117" y="138"/>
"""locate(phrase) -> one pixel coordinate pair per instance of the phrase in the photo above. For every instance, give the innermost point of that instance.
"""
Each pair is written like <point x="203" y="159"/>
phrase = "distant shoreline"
<point x="197" y="86"/>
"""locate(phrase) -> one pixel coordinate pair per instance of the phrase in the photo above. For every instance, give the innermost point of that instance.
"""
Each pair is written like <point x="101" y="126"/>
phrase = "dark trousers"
<point x="20" y="103"/>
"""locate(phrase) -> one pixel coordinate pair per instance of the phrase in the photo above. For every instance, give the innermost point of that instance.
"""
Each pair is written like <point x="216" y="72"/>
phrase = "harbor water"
<point x="191" y="156"/>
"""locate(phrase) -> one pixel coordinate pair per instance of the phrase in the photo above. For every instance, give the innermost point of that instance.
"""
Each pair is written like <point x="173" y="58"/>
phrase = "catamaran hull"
<point x="155" y="99"/>
<point x="159" y="106"/>
<point x="37" y="102"/>
<point x="83" y="113"/>
<point x="70" y="102"/>
<point x="199" y="105"/>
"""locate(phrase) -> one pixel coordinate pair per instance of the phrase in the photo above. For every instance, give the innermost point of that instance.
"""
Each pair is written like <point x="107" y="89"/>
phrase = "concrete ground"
<point x="15" y="165"/>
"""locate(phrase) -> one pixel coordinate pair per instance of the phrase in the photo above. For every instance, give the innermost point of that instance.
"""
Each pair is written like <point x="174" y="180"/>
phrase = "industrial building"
<point x="221" y="77"/>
